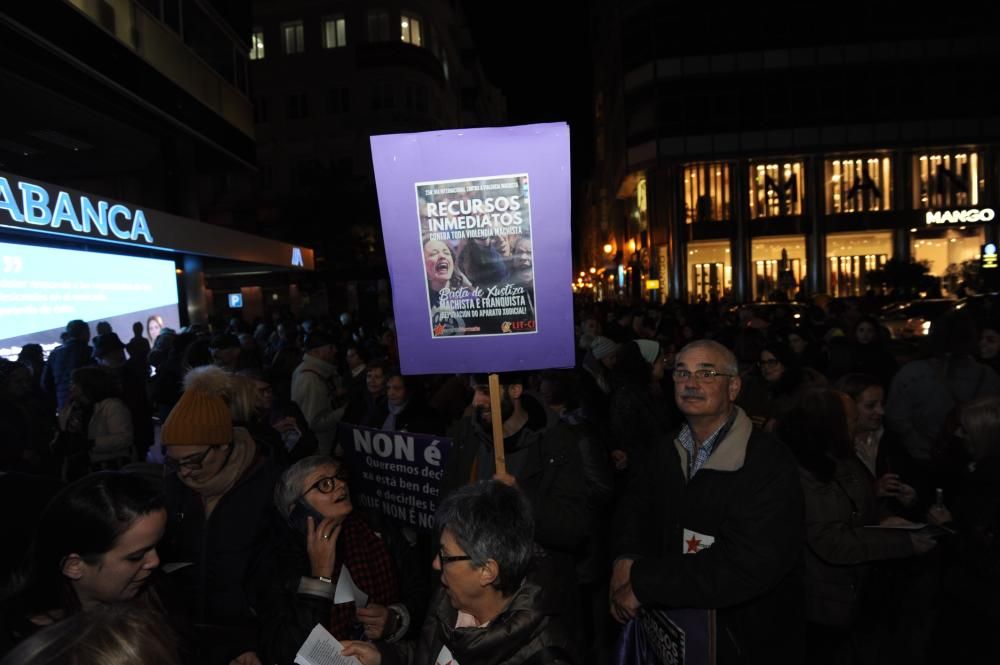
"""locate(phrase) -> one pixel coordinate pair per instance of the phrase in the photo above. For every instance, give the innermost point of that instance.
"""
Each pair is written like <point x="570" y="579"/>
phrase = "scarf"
<point x="241" y="458"/>
<point x="390" y="420"/>
<point x="367" y="558"/>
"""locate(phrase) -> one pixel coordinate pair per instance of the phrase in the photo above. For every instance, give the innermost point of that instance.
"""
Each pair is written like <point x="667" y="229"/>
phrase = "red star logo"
<point x="439" y="330"/>
<point x="693" y="544"/>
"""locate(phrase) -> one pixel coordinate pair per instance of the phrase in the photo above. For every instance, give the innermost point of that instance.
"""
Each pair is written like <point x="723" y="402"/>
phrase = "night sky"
<point x="538" y="54"/>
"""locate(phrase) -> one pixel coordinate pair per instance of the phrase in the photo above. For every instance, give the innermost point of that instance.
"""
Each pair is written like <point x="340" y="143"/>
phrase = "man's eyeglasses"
<point x="445" y="559"/>
<point x="701" y="375"/>
<point x="191" y="462"/>
<point x="328" y="484"/>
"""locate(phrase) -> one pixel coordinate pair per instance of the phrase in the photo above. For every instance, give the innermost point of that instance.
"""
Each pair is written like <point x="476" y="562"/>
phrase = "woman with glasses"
<point x="499" y="600"/>
<point x="218" y="486"/>
<point x="324" y="539"/>
<point x="786" y="378"/>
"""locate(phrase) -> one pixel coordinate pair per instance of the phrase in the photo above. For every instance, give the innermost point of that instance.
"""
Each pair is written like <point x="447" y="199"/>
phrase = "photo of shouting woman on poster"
<point x="439" y="263"/>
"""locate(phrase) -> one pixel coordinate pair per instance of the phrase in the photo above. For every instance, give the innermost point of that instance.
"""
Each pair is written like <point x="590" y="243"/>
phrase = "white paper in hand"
<point x="347" y="591"/>
<point x="322" y="648"/>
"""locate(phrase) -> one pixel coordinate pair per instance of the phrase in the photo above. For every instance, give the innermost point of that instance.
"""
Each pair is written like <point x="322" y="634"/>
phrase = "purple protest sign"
<point x="477" y="234"/>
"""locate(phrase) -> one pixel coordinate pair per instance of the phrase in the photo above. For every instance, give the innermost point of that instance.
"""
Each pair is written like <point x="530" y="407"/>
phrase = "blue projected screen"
<point x="43" y="288"/>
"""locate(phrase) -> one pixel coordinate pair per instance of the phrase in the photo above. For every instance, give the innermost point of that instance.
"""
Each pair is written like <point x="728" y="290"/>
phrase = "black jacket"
<point x="748" y="498"/>
<point x="531" y="622"/>
<point x="547" y="464"/>
<point x="221" y="587"/>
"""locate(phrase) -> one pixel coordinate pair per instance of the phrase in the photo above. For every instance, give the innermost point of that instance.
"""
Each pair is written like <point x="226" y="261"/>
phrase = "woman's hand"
<point x="938" y="515"/>
<point x="248" y="658"/>
<point x="374" y="618"/>
<point x="921" y="543"/>
<point x="363" y="651"/>
<point x="321" y="544"/>
<point x="888" y="485"/>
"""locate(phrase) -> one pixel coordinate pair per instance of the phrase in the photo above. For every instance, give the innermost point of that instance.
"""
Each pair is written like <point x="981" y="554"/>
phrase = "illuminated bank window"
<point x="334" y="32"/>
<point x="257" y="45"/>
<point x="858" y="184"/>
<point x="851" y="257"/>
<point x="410" y="29"/>
<point x="779" y="265"/>
<point x="706" y="192"/>
<point x="710" y="271"/>
<point x="293" y="35"/>
<point x="378" y="25"/>
<point x="943" y="180"/>
<point x="776" y="189"/>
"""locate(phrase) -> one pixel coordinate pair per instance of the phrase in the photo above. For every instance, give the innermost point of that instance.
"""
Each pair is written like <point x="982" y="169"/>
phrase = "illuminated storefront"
<point x="851" y="256"/>
<point x="779" y="265"/>
<point x="776" y="189"/>
<point x="706" y="192"/>
<point x="710" y="270"/>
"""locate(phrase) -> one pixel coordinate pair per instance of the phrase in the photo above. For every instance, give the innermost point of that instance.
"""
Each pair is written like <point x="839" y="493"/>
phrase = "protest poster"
<point x="477" y="236"/>
<point x="397" y="473"/>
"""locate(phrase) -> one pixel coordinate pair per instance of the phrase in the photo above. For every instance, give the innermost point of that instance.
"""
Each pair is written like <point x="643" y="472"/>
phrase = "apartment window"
<point x="338" y="101"/>
<point x="297" y="106"/>
<point x="334" y="32"/>
<point x="776" y="189"/>
<point x="293" y="35"/>
<point x="411" y="30"/>
<point x="257" y="44"/>
<point x="706" y="192"/>
<point x="858" y="184"/>
<point x="378" y="25"/>
<point x="943" y="180"/>
<point x="382" y="98"/>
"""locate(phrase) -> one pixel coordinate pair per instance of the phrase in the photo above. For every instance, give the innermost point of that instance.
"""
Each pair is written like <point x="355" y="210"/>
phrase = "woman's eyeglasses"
<point x="191" y="462"/>
<point x="445" y="559"/>
<point x="328" y="484"/>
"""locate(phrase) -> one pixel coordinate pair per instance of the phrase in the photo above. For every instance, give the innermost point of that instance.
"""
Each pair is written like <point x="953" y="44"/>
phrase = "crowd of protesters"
<point x="778" y="472"/>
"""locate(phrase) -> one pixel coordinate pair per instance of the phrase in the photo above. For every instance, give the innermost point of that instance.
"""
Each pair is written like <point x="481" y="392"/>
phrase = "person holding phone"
<point x="324" y="535"/>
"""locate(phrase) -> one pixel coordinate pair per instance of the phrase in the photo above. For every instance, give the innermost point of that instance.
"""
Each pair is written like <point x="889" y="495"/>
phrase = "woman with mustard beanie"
<point x="219" y="486"/>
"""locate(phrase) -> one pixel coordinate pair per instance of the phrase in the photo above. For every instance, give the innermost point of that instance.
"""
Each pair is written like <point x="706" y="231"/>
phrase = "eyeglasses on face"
<point x="701" y="375"/>
<point x="191" y="462"/>
<point x="328" y="484"/>
<point x="445" y="559"/>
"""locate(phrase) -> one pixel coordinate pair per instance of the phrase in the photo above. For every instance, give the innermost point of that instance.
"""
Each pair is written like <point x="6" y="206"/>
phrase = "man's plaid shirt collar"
<point x="686" y="437"/>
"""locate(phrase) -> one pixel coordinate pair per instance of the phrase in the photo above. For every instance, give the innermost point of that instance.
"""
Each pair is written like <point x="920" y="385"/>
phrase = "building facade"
<point x="766" y="154"/>
<point x="326" y="76"/>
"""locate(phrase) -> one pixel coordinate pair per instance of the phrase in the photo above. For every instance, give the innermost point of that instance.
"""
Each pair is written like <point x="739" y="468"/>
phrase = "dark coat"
<point x="748" y="498"/>
<point x="416" y="417"/>
<point x="547" y="464"/>
<point x="838" y="544"/>
<point x="59" y="369"/>
<point x="531" y="622"/>
<point x="289" y="616"/>
<point x="220" y="588"/>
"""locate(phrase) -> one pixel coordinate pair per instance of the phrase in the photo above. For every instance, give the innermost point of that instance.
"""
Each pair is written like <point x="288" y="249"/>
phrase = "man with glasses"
<point x="714" y="520"/>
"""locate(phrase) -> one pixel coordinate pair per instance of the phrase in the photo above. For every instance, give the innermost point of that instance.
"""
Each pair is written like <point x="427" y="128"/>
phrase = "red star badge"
<point x="693" y="544"/>
<point x="439" y="330"/>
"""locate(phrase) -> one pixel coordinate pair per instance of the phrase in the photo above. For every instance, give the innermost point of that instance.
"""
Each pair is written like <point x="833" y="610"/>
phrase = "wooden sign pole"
<point x="498" y="453"/>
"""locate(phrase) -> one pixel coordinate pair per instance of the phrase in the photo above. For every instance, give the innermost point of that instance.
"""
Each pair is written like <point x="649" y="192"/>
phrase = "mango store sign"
<point x="477" y="235"/>
<point x="33" y="205"/>
<point x="970" y="216"/>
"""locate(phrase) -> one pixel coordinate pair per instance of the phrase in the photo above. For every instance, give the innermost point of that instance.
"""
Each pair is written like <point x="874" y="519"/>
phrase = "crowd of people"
<point x="821" y="497"/>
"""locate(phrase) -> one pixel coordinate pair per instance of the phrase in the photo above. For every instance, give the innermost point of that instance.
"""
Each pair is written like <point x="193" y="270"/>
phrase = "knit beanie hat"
<point x="602" y="347"/>
<point x="201" y="416"/>
<point x="649" y="349"/>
